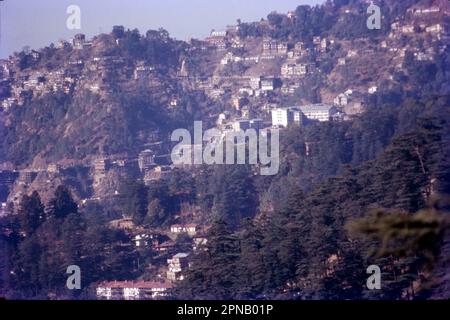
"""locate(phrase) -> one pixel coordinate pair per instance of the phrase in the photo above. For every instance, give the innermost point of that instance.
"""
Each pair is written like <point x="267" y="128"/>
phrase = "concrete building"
<point x="283" y="117"/>
<point x="267" y="85"/>
<point x="190" y="229"/>
<point x="100" y="166"/>
<point x="146" y="160"/>
<point x="176" y="265"/>
<point x="321" y="112"/>
<point x="78" y="41"/>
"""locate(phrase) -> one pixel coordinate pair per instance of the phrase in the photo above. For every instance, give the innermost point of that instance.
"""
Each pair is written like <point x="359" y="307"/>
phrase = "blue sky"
<point x="38" y="23"/>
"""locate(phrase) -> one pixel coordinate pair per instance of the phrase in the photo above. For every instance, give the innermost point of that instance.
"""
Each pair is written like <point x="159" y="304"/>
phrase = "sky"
<point x="38" y="23"/>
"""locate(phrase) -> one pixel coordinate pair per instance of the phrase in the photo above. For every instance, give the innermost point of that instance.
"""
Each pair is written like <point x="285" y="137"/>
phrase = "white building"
<point x="176" y="265"/>
<point x="267" y="85"/>
<point x="283" y="117"/>
<point x="146" y="160"/>
<point x="293" y="69"/>
<point x="255" y="83"/>
<point x="321" y="112"/>
<point x="190" y="228"/>
<point x="372" y="89"/>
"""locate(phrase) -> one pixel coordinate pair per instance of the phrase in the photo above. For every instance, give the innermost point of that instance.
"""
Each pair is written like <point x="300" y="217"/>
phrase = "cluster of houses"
<point x="162" y="245"/>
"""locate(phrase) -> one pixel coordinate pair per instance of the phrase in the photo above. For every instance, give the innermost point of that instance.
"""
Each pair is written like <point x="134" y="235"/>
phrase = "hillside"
<point x="72" y="102"/>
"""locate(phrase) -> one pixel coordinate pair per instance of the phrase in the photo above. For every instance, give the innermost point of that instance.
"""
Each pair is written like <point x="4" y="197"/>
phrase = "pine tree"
<point x="62" y="204"/>
<point x="31" y="213"/>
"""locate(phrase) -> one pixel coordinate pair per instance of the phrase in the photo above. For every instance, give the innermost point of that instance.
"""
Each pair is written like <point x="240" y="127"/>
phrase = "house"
<point x="8" y="103"/>
<point x="343" y="99"/>
<point x="291" y="14"/>
<point x="198" y="242"/>
<point x="255" y="83"/>
<point x="293" y="69"/>
<point x="190" y="228"/>
<point x="341" y="61"/>
<point x="229" y="57"/>
<point x="126" y="223"/>
<point x="142" y="72"/>
<point x="372" y="90"/>
<point x="423" y="56"/>
<point x="53" y="168"/>
<point x="217" y="39"/>
<point x="269" y="45"/>
<point x="267" y="84"/>
<point x="246" y="90"/>
<point x="407" y="28"/>
<point x="299" y="49"/>
<point x="435" y="29"/>
<point x="156" y="174"/>
<point x="163" y="247"/>
<point x="324" y="45"/>
<point x="352" y="53"/>
<point x="61" y="44"/>
<point x="176" y="265"/>
<point x="220" y="34"/>
<point x="146" y="160"/>
<point x="421" y="11"/>
<point x="133" y="290"/>
<point x="142" y="240"/>
<point x="100" y="166"/>
<point x="78" y="41"/>
<point x="274" y="47"/>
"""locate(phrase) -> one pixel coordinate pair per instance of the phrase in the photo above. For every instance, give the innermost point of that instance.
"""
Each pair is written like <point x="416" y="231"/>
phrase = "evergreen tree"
<point x="31" y="213"/>
<point x="62" y="204"/>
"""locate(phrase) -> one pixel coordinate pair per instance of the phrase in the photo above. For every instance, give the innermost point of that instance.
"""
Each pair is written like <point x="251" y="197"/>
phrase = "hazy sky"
<point x="38" y="23"/>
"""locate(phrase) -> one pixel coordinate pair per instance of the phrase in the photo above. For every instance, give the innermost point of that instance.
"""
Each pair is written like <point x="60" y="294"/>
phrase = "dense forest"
<point x="365" y="195"/>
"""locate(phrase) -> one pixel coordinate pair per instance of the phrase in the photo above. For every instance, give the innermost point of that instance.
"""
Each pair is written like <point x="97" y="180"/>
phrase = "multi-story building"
<point x="100" y="166"/>
<point x="321" y="112"/>
<point x="27" y="177"/>
<point x="177" y="264"/>
<point x="190" y="228"/>
<point x="146" y="160"/>
<point x="283" y="117"/>
<point x="267" y="84"/>
<point x="78" y="41"/>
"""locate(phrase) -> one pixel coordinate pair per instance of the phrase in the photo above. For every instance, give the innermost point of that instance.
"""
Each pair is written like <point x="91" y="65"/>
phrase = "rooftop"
<point x="135" y="284"/>
<point x="319" y="107"/>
